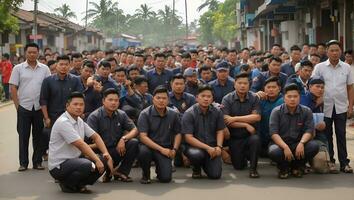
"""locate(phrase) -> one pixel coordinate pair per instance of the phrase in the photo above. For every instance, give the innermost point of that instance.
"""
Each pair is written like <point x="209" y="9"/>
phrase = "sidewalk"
<point x="4" y="104"/>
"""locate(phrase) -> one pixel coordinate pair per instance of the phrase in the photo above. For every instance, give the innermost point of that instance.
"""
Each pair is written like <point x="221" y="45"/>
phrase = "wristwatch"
<point x="221" y="147"/>
<point x="125" y="139"/>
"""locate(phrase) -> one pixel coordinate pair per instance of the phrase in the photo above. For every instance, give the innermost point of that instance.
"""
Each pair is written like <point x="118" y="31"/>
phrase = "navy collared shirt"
<point x="137" y="100"/>
<point x="220" y="91"/>
<point x="202" y="126"/>
<point x="160" y="129"/>
<point x="93" y="100"/>
<point x="55" y="93"/>
<point x="288" y="69"/>
<point x="309" y="100"/>
<point x="111" y="129"/>
<point x="182" y="104"/>
<point x="108" y="83"/>
<point x="192" y="89"/>
<point x="74" y="72"/>
<point x="291" y="127"/>
<point x="233" y="106"/>
<point x="258" y="82"/>
<point x="155" y="79"/>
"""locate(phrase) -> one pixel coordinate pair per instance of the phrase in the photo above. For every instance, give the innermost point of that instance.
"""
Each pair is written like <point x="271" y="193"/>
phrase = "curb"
<point x="6" y="104"/>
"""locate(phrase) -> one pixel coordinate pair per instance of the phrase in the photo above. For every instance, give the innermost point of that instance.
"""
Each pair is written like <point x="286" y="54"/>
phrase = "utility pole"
<point x="173" y="21"/>
<point x="35" y="31"/>
<point x="186" y="10"/>
<point x="117" y="16"/>
<point x="86" y="14"/>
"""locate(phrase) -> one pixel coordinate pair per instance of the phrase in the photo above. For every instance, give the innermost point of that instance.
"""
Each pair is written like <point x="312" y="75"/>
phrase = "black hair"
<point x="315" y="54"/>
<point x="31" y="45"/>
<point x="245" y="49"/>
<point x="186" y="56"/>
<point x="111" y="59"/>
<point x="160" y="89"/>
<point x="322" y="44"/>
<point x="177" y="76"/>
<point x="110" y="91"/>
<point x="306" y="63"/>
<point x="244" y="67"/>
<point x="104" y="64"/>
<point x="295" y="48"/>
<point x="140" y="55"/>
<point x="75" y="94"/>
<point x="276" y="45"/>
<point x="159" y="55"/>
<point x="6" y="55"/>
<point x="110" y="51"/>
<point x="233" y="51"/>
<point x="242" y="75"/>
<point x="205" y="87"/>
<point x="120" y="69"/>
<point x="224" y="49"/>
<point x="272" y="79"/>
<point x="76" y="55"/>
<point x="63" y="57"/>
<point x="291" y="87"/>
<point x="51" y="62"/>
<point x="42" y="58"/>
<point x="349" y="51"/>
<point x="193" y="51"/>
<point x="275" y="58"/>
<point x="140" y="79"/>
<point x="132" y="68"/>
<point x="89" y="64"/>
<point x="204" y="68"/>
<point x="313" y="45"/>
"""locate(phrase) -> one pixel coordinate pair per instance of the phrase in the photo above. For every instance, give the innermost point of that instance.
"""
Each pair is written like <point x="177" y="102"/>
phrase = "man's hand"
<point x="251" y="130"/>
<point x="97" y="86"/>
<point x="121" y="147"/>
<point x="228" y="120"/>
<point x="100" y="166"/>
<point x="288" y="154"/>
<point x="321" y="126"/>
<point x="109" y="160"/>
<point x="262" y="95"/>
<point x="218" y="151"/>
<point x="165" y="152"/>
<point x="299" y="152"/>
<point x="349" y="113"/>
<point x="172" y="154"/>
<point x="212" y="152"/>
<point x="47" y="122"/>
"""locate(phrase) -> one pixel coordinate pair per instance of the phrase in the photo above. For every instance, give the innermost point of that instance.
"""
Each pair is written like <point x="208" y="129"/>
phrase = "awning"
<point x="273" y="6"/>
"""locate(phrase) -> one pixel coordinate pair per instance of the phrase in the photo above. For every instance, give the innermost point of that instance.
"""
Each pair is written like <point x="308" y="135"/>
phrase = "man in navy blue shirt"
<point x="289" y="68"/>
<point x="223" y="84"/>
<point x="159" y="75"/>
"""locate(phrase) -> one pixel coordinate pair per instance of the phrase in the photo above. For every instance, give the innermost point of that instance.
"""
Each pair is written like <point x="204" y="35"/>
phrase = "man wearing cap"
<point x="191" y="81"/>
<point x="302" y="75"/>
<point x="224" y="84"/>
<point x="338" y="101"/>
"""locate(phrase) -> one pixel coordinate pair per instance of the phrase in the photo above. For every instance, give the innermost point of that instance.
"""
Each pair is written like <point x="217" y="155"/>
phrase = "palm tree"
<point x="101" y="10"/>
<point x="144" y="12"/>
<point x="65" y="12"/>
<point x="211" y="4"/>
<point x="165" y="15"/>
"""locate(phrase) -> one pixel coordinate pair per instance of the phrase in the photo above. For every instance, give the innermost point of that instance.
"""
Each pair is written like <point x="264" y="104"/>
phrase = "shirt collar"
<point x="236" y="97"/>
<point x="154" y="112"/>
<point x="330" y="65"/>
<point x="56" y="77"/>
<point x="38" y="64"/>
<point x="71" y="119"/>
<point x="172" y="95"/>
<point x="200" y="112"/>
<point x="105" y="115"/>
<point x="286" y="110"/>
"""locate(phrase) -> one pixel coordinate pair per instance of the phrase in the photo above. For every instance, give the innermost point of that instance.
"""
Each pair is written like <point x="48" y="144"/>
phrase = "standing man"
<point x="338" y="101"/>
<point x="202" y="126"/>
<point x="26" y="80"/>
<point x="5" y="71"/>
<point x="159" y="128"/>
<point x="241" y="114"/>
<point x="76" y="62"/>
<point x="66" y="163"/>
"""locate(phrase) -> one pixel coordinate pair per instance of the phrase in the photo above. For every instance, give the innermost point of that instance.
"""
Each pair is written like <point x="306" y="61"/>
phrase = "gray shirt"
<point x="29" y="82"/>
<point x="336" y="81"/>
<point x="65" y="131"/>
<point x="289" y="126"/>
<point x="203" y="126"/>
<point x="160" y="129"/>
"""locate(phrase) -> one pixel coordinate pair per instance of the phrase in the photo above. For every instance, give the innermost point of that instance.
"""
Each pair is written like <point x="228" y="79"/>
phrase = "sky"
<point x="128" y="6"/>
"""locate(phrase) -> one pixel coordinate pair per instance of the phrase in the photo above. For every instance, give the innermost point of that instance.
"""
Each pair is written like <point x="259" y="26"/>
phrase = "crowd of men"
<point x="102" y="112"/>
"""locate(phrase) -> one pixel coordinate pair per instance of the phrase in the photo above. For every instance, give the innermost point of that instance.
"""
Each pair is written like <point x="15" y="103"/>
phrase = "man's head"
<point x="110" y="99"/>
<point x="276" y="50"/>
<point x="87" y="70"/>
<point x="242" y="84"/>
<point x="305" y="49"/>
<point x="333" y="50"/>
<point x="76" y="60"/>
<point x="63" y="65"/>
<point x="205" y="95"/>
<point x="272" y="87"/>
<point x="305" y="70"/>
<point x="186" y="59"/>
<point x="292" y="95"/>
<point x="52" y="64"/>
<point x="120" y="75"/>
<point x="178" y="84"/>
<point x="295" y="52"/>
<point x="5" y="56"/>
<point x="113" y="62"/>
<point x="141" y="84"/>
<point x="232" y="56"/>
<point x="315" y="59"/>
<point x="32" y="52"/>
<point x="245" y="54"/>
<point x="133" y="72"/>
<point x="316" y="86"/>
<point x="139" y="60"/>
<point x="159" y="61"/>
<point x="205" y="73"/>
<point x="274" y="65"/>
<point x="348" y="54"/>
<point x="321" y="49"/>
<point x="130" y="58"/>
<point x="160" y="97"/>
<point x="222" y="71"/>
<point x="104" y="69"/>
<point x="75" y="105"/>
<point x="313" y="49"/>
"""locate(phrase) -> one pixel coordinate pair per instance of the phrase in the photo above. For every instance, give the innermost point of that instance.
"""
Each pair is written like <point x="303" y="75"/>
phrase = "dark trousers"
<point x="127" y="160"/>
<point x="339" y="121"/>
<point x="46" y="133"/>
<point x="163" y="163"/>
<point x="199" y="158"/>
<point x="25" y="121"/>
<point x="76" y="173"/>
<point x="275" y="153"/>
<point x="6" y="90"/>
<point x="245" y="149"/>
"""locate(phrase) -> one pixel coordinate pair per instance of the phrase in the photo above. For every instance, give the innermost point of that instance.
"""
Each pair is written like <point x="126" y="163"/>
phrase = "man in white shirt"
<point x="338" y="101"/>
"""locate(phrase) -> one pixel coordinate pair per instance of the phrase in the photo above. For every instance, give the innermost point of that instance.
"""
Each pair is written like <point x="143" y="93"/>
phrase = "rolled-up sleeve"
<point x="68" y="132"/>
<point x="220" y="124"/>
<point x="309" y="126"/>
<point x="187" y="123"/>
<point x="143" y="123"/>
<point x="226" y="105"/>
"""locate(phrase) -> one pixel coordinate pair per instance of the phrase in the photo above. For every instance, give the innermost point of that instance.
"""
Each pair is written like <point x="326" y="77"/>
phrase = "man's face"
<point x="232" y="57"/>
<point x="305" y="49"/>
<point x="133" y="74"/>
<point x="315" y="60"/>
<point x="76" y="107"/>
<point x="86" y="72"/>
<point x="272" y="89"/>
<point x="274" y="67"/>
<point x="111" y="102"/>
<point x="142" y="88"/>
<point x="222" y="75"/>
<point x="349" y="58"/>
<point x="120" y="77"/>
<point x="113" y="65"/>
<point x="77" y="63"/>
<point x="296" y="56"/>
<point x="63" y="67"/>
<point x="192" y="79"/>
<point x="206" y="75"/>
<point x="123" y="57"/>
<point x="313" y="50"/>
<point x="139" y="62"/>
<point x="205" y="98"/>
<point x="305" y="72"/>
<point x="100" y="55"/>
<point x="160" y="100"/>
<point x="292" y="98"/>
<point x="209" y="63"/>
<point x="334" y="52"/>
<point x="321" y="50"/>
<point x="104" y="71"/>
<point x="130" y="59"/>
<point x="317" y="90"/>
<point x="178" y="86"/>
<point x="185" y="62"/>
<point x="194" y="56"/>
<point x="242" y="85"/>
<point x="275" y="51"/>
<point x="160" y="63"/>
<point x="32" y="54"/>
<point x="245" y="54"/>
<point x="53" y="68"/>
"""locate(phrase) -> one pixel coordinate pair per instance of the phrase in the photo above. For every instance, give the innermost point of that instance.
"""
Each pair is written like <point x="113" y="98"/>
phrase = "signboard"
<point x="324" y="3"/>
<point x="34" y="37"/>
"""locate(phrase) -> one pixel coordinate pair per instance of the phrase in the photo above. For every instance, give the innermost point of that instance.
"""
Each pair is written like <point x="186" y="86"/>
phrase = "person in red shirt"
<point x="6" y="69"/>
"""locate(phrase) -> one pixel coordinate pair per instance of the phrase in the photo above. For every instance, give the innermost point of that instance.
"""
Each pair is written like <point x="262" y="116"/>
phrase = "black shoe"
<point x="38" y="167"/>
<point x="145" y="180"/>
<point x="347" y="169"/>
<point x="67" y="189"/>
<point x="254" y="174"/>
<point x="84" y="190"/>
<point x="22" y="168"/>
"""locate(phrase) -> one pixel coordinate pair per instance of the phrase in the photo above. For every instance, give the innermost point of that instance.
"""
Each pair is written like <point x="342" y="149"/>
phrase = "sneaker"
<point x="38" y="167"/>
<point x="283" y="174"/>
<point x="254" y="174"/>
<point x="22" y="168"/>
<point x="347" y="169"/>
<point x="332" y="168"/>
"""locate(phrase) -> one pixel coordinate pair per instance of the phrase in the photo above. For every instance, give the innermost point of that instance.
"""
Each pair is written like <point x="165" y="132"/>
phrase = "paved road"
<point x="233" y="185"/>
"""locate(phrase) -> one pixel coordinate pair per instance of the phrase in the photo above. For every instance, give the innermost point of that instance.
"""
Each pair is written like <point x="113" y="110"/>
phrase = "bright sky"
<point x="128" y="6"/>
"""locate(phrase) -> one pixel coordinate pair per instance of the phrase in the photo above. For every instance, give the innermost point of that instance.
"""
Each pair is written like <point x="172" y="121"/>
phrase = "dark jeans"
<point x="275" y="153"/>
<point x="25" y="121"/>
<point x="76" y="173"/>
<point x="127" y="160"/>
<point x="199" y="158"/>
<point x="163" y="163"/>
<point x="6" y="90"/>
<point x="245" y="149"/>
<point x="339" y="121"/>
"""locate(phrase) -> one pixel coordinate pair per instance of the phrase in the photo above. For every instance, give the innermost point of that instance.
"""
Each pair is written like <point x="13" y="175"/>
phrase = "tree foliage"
<point x="9" y="23"/>
<point x="65" y="12"/>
